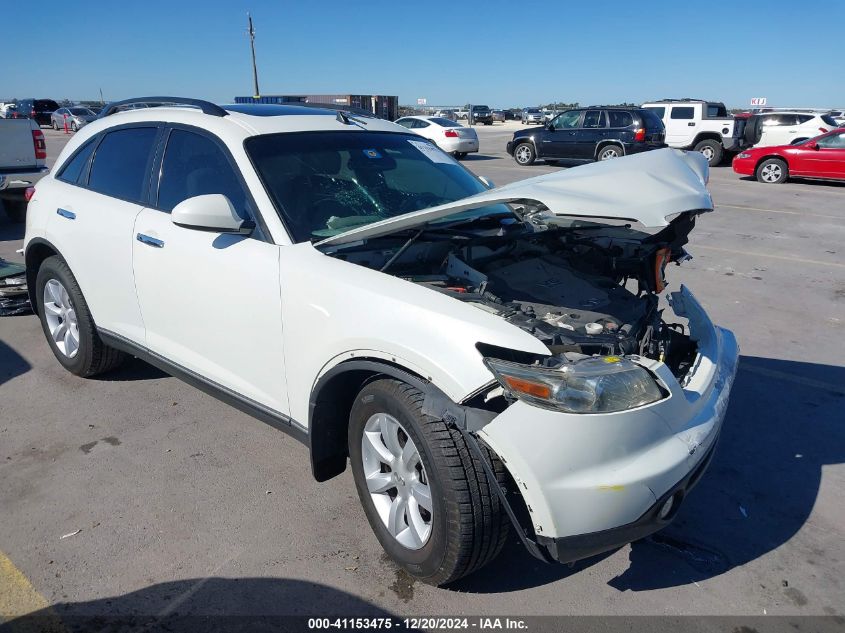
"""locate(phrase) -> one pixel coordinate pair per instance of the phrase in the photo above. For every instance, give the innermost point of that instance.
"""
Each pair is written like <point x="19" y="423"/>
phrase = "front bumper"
<point x="743" y="166"/>
<point x="594" y="482"/>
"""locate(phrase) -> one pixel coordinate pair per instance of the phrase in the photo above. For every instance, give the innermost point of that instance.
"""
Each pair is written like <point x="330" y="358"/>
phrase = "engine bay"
<point x="589" y="289"/>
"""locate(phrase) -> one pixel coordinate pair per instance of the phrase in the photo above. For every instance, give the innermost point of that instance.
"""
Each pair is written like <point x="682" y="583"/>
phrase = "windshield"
<point x="326" y="183"/>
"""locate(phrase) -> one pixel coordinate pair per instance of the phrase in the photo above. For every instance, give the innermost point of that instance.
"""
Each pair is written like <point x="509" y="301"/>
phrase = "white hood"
<point x="645" y="188"/>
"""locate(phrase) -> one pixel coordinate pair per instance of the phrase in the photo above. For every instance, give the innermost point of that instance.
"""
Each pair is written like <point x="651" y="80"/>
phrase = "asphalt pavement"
<point x="133" y="492"/>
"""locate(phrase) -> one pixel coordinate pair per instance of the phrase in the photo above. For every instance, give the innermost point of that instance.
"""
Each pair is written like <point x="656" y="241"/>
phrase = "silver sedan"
<point x="75" y="116"/>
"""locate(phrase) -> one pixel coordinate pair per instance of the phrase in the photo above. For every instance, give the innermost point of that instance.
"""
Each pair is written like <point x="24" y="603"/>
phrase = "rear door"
<point x="104" y="186"/>
<point x="680" y="125"/>
<point x="559" y="141"/>
<point x="593" y="129"/>
<point x="211" y="301"/>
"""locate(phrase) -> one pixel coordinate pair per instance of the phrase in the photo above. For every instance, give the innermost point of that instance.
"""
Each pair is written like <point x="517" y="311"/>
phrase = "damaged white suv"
<point x="486" y="359"/>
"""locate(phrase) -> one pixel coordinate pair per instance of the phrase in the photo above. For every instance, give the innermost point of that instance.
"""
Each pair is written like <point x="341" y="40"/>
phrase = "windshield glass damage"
<point x="326" y="183"/>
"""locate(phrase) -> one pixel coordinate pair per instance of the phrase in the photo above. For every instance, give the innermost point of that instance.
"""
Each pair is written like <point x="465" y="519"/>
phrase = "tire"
<point x="55" y="125"/>
<point x="524" y="154"/>
<point x="92" y="356"/>
<point x="712" y="151"/>
<point x="466" y="526"/>
<point x="74" y="127"/>
<point x="753" y="130"/>
<point x="772" y="171"/>
<point x="15" y="210"/>
<point x="609" y="152"/>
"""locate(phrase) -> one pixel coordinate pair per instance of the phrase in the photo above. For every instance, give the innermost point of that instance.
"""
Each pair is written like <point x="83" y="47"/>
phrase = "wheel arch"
<point x="608" y="141"/>
<point x="331" y="401"/>
<point x="707" y="136"/>
<point x="530" y="141"/>
<point x="37" y="250"/>
<point x="762" y="159"/>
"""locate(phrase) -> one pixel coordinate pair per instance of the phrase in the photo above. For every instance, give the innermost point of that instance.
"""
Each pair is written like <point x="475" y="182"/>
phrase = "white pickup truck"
<point x="23" y="161"/>
<point x="703" y="126"/>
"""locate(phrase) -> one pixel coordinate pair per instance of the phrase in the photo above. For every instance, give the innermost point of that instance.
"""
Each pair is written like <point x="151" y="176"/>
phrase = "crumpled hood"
<point x="645" y="188"/>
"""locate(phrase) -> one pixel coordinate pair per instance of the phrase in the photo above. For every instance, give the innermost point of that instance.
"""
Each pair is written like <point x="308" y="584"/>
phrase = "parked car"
<point x="532" y="115"/>
<point x="481" y="114"/>
<point x="37" y="109"/>
<point x="440" y="341"/>
<point x="446" y="114"/>
<point x="23" y="157"/>
<point x="838" y="116"/>
<point x="448" y="135"/>
<point x="820" y="157"/>
<point x="74" y="116"/>
<point x="698" y="125"/>
<point x="499" y="115"/>
<point x="588" y="134"/>
<point x="771" y="129"/>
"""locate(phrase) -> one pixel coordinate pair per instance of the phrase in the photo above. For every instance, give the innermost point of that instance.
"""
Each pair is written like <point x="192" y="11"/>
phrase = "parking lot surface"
<point x="133" y="492"/>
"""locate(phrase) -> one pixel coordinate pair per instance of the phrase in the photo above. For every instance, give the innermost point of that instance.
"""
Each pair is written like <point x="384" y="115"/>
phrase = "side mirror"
<point x="813" y="145"/>
<point x="211" y="212"/>
<point x="550" y="126"/>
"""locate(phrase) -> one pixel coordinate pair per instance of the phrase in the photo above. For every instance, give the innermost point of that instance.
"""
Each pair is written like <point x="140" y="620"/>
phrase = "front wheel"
<point x="67" y="322"/>
<point x="711" y="150"/>
<point x="524" y="154"/>
<point x="426" y="496"/>
<point x="772" y="171"/>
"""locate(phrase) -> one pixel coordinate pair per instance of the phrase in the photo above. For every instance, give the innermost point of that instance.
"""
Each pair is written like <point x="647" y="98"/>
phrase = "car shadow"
<point x="12" y="364"/>
<point x="836" y="184"/>
<point x="132" y="369"/>
<point x="474" y="158"/>
<point x="204" y="605"/>
<point x="782" y="426"/>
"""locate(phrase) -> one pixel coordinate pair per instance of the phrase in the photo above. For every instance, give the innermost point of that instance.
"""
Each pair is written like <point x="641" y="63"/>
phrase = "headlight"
<point x="744" y="155"/>
<point x="600" y="384"/>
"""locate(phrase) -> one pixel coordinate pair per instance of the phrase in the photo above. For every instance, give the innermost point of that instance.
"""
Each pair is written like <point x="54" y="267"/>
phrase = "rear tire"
<point x="711" y="150"/>
<point x="609" y="152"/>
<point x="91" y="355"/>
<point x="524" y="154"/>
<point x="15" y="210"/>
<point x="55" y="125"/>
<point x="466" y="527"/>
<point x="772" y="171"/>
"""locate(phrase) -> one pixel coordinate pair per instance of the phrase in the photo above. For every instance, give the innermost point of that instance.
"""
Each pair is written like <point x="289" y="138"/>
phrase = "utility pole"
<point x="252" y="46"/>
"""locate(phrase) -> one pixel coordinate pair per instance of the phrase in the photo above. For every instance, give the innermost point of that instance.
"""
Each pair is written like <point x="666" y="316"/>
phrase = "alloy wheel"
<point x="397" y="481"/>
<point x="707" y="152"/>
<point x="771" y="172"/>
<point x="61" y="318"/>
<point x="608" y="154"/>
<point x="523" y="154"/>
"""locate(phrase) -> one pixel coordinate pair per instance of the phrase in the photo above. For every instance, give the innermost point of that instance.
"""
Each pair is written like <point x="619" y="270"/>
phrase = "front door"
<point x="559" y="139"/>
<point x="593" y="130"/>
<point x="828" y="161"/>
<point x="210" y="301"/>
<point x="681" y="126"/>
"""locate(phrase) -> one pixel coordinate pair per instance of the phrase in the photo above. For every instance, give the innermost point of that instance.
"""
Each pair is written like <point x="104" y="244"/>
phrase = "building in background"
<point x="385" y="107"/>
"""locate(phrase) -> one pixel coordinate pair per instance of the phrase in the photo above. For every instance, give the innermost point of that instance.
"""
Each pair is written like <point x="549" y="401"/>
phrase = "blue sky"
<point x="449" y="53"/>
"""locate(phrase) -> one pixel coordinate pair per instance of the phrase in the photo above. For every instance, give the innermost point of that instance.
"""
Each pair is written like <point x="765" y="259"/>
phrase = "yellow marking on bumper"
<point x="616" y="488"/>
<point x="18" y="598"/>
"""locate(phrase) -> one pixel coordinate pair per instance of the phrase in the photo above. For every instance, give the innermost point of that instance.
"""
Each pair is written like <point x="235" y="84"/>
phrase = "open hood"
<point x="645" y="188"/>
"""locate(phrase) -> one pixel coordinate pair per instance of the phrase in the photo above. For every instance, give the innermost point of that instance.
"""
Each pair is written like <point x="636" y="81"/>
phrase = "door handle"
<point x="149" y="241"/>
<point x="70" y="215"/>
<point x="691" y="124"/>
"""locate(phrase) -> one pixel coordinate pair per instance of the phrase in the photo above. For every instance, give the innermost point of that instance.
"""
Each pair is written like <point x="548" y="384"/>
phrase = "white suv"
<point x="786" y="128"/>
<point x="483" y="357"/>
<point x="701" y="126"/>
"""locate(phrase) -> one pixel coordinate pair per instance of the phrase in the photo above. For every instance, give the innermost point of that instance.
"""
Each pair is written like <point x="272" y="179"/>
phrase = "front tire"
<point x="772" y="171"/>
<point x="711" y="150"/>
<point x="67" y="322"/>
<point x="425" y="495"/>
<point x="524" y="154"/>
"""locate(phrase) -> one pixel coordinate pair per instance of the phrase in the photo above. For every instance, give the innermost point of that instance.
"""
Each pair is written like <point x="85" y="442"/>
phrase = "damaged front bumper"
<point x="593" y="482"/>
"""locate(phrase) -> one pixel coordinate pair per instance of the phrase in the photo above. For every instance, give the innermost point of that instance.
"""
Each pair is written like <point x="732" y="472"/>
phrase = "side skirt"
<point x="250" y="407"/>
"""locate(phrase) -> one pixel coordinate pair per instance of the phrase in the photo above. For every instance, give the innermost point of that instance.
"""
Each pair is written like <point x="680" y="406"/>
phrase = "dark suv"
<point x="481" y="114"/>
<point x="37" y="109"/>
<point x="588" y="134"/>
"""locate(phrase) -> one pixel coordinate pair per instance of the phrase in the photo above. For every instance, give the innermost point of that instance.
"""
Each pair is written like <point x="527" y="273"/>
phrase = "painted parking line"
<point x="802" y="213"/>
<point x="794" y="260"/>
<point x="18" y="597"/>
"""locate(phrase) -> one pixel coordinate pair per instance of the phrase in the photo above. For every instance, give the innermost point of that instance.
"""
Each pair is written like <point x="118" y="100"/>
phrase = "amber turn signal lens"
<point x="521" y="385"/>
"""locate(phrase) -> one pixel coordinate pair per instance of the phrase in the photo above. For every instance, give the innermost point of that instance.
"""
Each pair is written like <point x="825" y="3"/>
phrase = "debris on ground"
<point x="14" y="297"/>
<point x="69" y="534"/>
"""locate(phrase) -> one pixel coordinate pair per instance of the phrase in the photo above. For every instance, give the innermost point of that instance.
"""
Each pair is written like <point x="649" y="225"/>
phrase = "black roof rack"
<point x="206" y="106"/>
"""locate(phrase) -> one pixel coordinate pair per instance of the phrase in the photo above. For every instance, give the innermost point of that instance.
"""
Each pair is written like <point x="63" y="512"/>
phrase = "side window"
<point x="620" y="118"/>
<point x="421" y="123"/>
<point x="803" y="118"/>
<point x="405" y="123"/>
<point x="567" y="120"/>
<point x="593" y="119"/>
<point x="122" y="163"/>
<point x="834" y="141"/>
<point x="76" y="165"/>
<point x="682" y="112"/>
<point x="194" y="165"/>
<point x="660" y="112"/>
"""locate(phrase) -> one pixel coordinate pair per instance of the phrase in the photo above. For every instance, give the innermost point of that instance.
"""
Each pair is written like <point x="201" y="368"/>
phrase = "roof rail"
<point x="206" y="106"/>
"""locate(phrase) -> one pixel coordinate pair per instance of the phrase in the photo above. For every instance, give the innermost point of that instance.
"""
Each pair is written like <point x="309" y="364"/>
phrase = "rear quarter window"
<point x="73" y="168"/>
<point x="651" y="120"/>
<point x="829" y="120"/>
<point x="620" y="118"/>
<point x="682" y="112"/>
<point x="122" y="163"/>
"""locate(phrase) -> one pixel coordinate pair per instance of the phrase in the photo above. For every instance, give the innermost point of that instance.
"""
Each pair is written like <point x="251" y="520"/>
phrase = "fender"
<point x="36" y="251"/>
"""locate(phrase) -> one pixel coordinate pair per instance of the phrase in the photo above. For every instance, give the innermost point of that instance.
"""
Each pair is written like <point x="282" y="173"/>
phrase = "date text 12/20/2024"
<point x="419" y="623"/>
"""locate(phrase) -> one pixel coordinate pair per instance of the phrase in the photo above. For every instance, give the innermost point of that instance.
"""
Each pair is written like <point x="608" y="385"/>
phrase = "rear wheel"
<point x="426" y="497"/>
<point x="711" y="150"/>
<point x="55" y="125"/>
<point x="773" y="171"/>
<point x="524" y="154"/>
<point x="74" y="127"/>
<point x="609" y="151"/>
<point x="67" y="322"/>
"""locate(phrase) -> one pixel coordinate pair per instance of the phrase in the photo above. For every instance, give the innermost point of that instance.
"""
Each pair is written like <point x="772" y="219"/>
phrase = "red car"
<point x="819" y="157"/>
